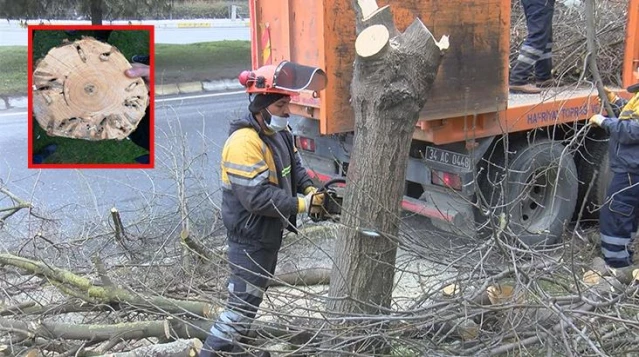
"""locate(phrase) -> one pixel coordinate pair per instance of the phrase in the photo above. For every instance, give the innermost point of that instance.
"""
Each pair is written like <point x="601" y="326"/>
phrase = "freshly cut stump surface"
<point x="80" y="91"/>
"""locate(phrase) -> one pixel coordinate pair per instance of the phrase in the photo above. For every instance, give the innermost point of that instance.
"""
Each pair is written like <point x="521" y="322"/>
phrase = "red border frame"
<point x="151" y="29"/>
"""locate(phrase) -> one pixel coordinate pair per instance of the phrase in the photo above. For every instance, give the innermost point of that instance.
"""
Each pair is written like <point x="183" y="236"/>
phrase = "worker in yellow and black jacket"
<point x="262" y="175"/>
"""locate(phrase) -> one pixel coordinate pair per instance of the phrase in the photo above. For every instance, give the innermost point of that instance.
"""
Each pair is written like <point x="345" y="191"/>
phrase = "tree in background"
<point x="96" y="10"/>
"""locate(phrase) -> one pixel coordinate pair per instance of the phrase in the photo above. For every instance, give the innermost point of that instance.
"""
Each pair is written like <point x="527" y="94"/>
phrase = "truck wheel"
<point x="593" y="156"/>
<point x="539" y="194"/>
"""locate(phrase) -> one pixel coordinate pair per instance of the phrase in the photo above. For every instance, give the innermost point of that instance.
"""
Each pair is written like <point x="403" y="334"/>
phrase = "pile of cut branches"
<point x="455" y="297"/>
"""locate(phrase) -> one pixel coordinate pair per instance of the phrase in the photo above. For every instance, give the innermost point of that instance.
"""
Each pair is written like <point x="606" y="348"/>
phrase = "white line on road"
<point x="157" y="100"/>
<point x="11" y="114"/>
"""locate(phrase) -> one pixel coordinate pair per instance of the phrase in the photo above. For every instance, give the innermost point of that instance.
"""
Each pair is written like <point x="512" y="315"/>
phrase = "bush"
<point x="206" y="9"/>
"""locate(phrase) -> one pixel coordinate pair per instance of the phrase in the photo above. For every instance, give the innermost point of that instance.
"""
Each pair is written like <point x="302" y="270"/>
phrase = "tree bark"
<point x="180" y="348"/>
<point x="392" y="76"/>
<point x="170" y="328"/>
<point x="96" y="12"/>
<point x="97" y="333"/>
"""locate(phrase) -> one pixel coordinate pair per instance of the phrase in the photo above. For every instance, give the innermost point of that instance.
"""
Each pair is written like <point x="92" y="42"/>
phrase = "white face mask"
<point x="277" y="123"/>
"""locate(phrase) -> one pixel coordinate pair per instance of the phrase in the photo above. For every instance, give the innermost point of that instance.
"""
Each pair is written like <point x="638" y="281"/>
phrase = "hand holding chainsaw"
<point x="326" y="203"/>
<point x="313" y="201"/>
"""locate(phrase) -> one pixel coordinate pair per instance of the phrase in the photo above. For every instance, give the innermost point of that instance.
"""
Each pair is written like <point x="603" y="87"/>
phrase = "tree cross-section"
<point x="80" y="91"/>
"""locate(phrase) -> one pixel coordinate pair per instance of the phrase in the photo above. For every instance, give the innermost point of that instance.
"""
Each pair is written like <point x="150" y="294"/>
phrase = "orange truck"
<point x="470" y="130"/>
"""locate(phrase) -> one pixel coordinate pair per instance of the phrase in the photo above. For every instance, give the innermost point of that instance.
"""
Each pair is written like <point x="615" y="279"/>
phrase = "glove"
<point x="596" y="119"/>
<point x="317" y="203"/>
<point x="304" y="203"/>
<point x="310" y="189"/>
<point x="612" y="96"/>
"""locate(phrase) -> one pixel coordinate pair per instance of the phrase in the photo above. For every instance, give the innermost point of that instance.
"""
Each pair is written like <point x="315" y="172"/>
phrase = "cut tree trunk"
<point x="179" y="348"/>
<point x="96" y="12"/>
<point x="81" y="91"/>
<point x="392" y="76"/>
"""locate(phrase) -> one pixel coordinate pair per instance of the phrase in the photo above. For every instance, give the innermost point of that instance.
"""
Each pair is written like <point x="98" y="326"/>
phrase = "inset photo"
<point x="91" y="96"/>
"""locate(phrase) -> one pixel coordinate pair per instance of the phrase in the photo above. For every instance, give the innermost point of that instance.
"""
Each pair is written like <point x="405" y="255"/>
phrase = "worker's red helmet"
<point x="286" y="78"/>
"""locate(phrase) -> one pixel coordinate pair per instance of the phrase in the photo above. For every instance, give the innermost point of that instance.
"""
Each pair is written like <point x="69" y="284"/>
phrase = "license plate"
<point x="448" y="157"/>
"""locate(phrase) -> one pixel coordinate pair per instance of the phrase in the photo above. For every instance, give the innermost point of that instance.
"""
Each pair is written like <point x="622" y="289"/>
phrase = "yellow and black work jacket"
<point x="623" y="146"/>
<point x="261" y="176"/>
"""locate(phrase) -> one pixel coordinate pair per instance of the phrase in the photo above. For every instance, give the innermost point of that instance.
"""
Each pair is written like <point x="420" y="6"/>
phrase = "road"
<point x="79" y="199"/>
<point x="76" y="196"/>
<point x="14" y="35"/>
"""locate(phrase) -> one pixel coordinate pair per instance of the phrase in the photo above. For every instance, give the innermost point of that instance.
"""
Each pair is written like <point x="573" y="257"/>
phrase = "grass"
<point x="201" y="61"/>
<point x="77" y="151"/>
<point x="128" y="42"/>
<point x="174" y="64"/>
<point x="13" y="72"/>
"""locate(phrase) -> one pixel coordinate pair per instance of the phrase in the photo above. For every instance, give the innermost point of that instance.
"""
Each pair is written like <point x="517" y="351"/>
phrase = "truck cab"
<point x="478" y="152"/>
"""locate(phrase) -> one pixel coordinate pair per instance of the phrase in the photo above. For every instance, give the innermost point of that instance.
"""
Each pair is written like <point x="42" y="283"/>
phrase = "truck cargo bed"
<point x="553" y="106"/>
<point x="553" y="93"/>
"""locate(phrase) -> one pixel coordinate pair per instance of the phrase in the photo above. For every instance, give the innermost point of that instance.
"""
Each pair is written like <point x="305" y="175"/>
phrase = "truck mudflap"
<point x="452" y="215"/>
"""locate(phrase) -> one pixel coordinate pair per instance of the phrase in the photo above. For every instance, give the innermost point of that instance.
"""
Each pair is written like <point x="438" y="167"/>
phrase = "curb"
<point x="223" y="85"/>
<point x="20" y="102"/>
<point x="166" y="89"/>
<point x="190" y="87"/>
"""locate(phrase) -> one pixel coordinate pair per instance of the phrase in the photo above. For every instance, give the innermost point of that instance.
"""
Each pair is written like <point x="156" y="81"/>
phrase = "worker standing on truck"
<point x="618" y="217"/>
<point x="262" y="174"/>
<point x="535" y="55"/>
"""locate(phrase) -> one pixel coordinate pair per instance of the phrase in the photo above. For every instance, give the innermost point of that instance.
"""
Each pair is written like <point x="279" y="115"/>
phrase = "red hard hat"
<point x="286" y="78"/>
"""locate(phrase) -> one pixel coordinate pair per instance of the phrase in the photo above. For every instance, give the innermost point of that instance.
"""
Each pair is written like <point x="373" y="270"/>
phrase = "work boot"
<point x="546" y="83"/>
<point x="524" y="88"/>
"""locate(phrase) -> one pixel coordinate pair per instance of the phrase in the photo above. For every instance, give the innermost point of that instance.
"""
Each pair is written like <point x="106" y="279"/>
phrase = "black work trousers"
<point x="251" y="265"/>
<point x="618" y="220"/>
<point x="535" y="55"/>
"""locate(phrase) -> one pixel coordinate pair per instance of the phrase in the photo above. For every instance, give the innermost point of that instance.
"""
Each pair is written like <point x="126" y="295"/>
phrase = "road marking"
<point x="159" y="100"/>
<point x="198" y="96"/>
<point x="10" y="114"/>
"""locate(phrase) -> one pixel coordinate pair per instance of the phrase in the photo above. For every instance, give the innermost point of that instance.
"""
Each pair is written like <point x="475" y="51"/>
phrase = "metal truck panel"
<point x="470" y="96"/>
<point x="472" y="77"/>
<point x="631" y="53"/>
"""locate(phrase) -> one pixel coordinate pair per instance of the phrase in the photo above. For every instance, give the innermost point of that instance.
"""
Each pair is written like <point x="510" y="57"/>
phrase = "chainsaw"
<point x="330" y="206"/>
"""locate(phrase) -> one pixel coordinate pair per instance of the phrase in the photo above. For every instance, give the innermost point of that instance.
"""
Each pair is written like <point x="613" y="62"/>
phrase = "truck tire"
<point x="539" y="194"/>
<point x="592" y="160"/>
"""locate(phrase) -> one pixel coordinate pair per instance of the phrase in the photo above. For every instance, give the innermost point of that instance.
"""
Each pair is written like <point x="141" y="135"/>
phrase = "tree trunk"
<point x="96" y="12"/>
<point x="393" y="73"/>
